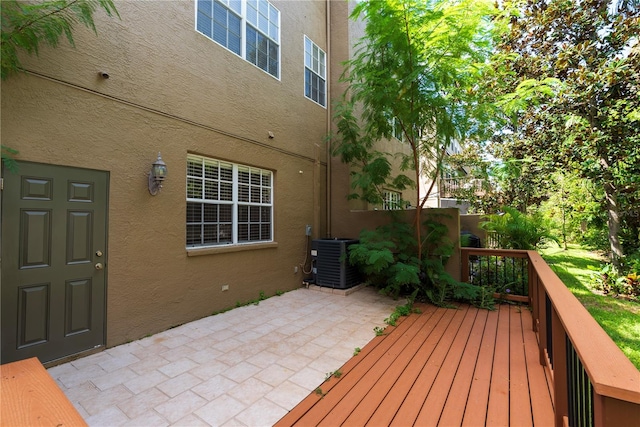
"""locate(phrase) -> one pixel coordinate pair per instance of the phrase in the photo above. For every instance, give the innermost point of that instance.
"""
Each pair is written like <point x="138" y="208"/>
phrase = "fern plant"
<point x="515" y="230"/>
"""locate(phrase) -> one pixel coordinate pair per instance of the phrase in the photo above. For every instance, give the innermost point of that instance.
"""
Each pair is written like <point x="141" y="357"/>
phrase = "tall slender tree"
<point x="416" y="72"/>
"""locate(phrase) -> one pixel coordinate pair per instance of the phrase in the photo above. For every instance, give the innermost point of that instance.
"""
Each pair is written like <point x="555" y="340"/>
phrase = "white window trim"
<point x="234" y="203"/>
<point x="324" y="77"/>
<point x="392" y="200"/>
<point x="243" y="35"/>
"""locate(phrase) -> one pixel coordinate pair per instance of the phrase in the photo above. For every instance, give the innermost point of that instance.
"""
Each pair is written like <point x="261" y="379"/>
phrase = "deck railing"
<point x="593" y="382"/>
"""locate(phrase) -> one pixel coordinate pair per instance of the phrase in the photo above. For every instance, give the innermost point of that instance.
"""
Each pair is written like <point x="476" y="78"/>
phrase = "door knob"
<point x="99" y="266"/>
<point x="98" y="253"/>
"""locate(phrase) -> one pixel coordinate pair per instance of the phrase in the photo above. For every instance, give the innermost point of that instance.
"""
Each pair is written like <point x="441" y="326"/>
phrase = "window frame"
<point x="272" y="36"/>
<point x="320" y="73"/>
<point x="227" y="190"/>
<point x="391" y="200"/>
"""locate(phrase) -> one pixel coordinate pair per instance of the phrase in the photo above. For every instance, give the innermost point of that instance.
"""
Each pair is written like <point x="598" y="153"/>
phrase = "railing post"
<point x="534" y="301"/>
<point x="608" y="411"/>
<point x="464" y="268"/>
<point x="560" y="388"/>
<point x="542" y="325"/>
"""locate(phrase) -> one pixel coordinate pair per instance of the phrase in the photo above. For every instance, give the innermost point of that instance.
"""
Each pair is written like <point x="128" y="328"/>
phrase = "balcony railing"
<point x="594" y="383"/>
<point x="450" y="188"/>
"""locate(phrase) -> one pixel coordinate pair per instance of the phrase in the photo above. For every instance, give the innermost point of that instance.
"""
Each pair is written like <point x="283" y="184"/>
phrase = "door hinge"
<point x="1" y="184"/>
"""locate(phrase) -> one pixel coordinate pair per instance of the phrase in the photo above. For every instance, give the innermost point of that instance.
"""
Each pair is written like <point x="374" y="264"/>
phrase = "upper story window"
<point x="248" y="28"/>
<point x="227" y="203"/>
<point x="315" y="81"/>
<point x="391" y="200"/>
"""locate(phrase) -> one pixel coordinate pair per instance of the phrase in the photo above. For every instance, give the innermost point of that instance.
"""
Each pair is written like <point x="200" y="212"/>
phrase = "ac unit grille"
<point x="332" y="266"/>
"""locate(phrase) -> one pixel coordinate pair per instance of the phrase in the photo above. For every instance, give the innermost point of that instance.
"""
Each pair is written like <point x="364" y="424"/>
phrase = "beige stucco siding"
<point x="170" y="89"/>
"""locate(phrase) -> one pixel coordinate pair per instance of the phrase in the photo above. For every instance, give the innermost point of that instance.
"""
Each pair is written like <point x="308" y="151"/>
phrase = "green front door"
<point x="54" y="261"/>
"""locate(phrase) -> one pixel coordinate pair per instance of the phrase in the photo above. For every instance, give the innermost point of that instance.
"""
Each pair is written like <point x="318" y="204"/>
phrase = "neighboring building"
<point x="235" y="96"/>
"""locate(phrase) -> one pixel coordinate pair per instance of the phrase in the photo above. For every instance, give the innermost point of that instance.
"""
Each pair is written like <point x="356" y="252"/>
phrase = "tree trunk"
<point x="613" y="222"/>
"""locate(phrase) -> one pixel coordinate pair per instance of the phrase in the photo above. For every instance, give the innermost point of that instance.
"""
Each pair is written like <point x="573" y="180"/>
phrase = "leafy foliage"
<point x="515" y="230"/>
<point x="570" y="75"/>
<point x="387" y="257"/>
<point x="416" y="71"/>
<point x="26" y="25"/>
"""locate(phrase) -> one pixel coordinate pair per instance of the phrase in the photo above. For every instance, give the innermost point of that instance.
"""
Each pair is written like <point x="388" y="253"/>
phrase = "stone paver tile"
<point x="264" y="358"/>
<point x="274" y="375"/>
<point x="205" y="355"/>
<point x="222" y="335"/>
<point x="250" y="391"/>
<point x="311" y="350"/>
<point x="287" y="394"/>
<point x="308" y="378"/>
<point x="64" y="369"/>
<point x="148" y="364"/>
<point x="110" y="417"/>
<point x="204" y="371"/>
<point x="83" y="391"/>
<point x="153" y="348"/>
<point x="123" y="349"/>
<point x="326" y="364"/>
<point x="206" y="342"/>
<point x="295" y="361"/>
<point x="177" y="353"/>
<point x="214" y="387"/>
<point x="177" y="385"/>
<point x="242" y="352"/>
<point x="194" y="332"/>
<point x="177" y="341"/>
<point x="241" y="371"/>
<point x="191" y="420"/>
<point x="145" y="381"/>
<point x="220" y="410"/>
<point x="106" y="399"/>
<point x="262" y="413"/>
<point x="87" y="373"/>
<point x="283" y="348"/>
<point x="228" y="344"/>
<point x="180" y="406"/>
<point x="113" y="379"/>
<point x="149" y="418"/>
<point x="142" y="403"/>
<point x="326" y="341"/>
<point x="92" y="359"/>
<point x="178" y="367"/>
<point x="118" y="362"/>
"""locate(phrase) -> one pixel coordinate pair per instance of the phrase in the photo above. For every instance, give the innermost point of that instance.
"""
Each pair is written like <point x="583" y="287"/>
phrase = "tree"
<point x="573" y="70"/>
<point x="415" y="73"/>
<point x="26" y="25"/>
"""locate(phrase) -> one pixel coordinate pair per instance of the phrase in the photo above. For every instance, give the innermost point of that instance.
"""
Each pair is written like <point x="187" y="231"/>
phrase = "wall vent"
<point x="332" y="268"/>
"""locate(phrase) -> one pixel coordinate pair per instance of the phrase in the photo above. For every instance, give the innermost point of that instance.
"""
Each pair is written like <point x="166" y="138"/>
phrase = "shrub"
<point x="388" y="258"/>
<point x="515" y="230"/>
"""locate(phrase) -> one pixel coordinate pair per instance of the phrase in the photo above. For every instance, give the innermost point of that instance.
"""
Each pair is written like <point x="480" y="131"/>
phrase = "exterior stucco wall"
<point x="173" y="90"/>
<point x="345" y="35"/>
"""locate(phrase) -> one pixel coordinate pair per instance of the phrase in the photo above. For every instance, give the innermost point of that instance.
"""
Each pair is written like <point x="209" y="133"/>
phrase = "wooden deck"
<point x="442" y="367"/>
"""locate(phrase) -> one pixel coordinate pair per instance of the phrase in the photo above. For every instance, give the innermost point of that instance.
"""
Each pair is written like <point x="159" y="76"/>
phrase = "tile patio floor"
<point x="246" y="367"/>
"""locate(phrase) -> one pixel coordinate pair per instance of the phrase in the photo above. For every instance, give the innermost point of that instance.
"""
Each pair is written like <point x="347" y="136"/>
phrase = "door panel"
<point x="54" y="222"/>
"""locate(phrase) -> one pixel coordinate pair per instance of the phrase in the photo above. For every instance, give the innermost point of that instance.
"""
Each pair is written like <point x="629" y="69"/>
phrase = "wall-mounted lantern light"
<point x="157" y="175"/>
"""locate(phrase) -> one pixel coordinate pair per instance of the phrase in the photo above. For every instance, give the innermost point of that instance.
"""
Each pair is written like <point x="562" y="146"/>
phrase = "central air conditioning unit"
<point x="330" y="264"/>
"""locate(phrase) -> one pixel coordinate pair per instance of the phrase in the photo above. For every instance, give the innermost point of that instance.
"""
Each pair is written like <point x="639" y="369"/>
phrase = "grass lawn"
<point x="618" y="317"/>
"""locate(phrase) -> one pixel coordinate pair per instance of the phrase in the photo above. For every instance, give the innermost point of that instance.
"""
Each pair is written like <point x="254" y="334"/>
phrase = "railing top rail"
<point x="513" y="253"/>
<point x="611" y="372"/>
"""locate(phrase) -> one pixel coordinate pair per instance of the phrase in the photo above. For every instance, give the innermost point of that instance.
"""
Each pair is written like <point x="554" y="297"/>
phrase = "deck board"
<point x="440" y="367"/>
